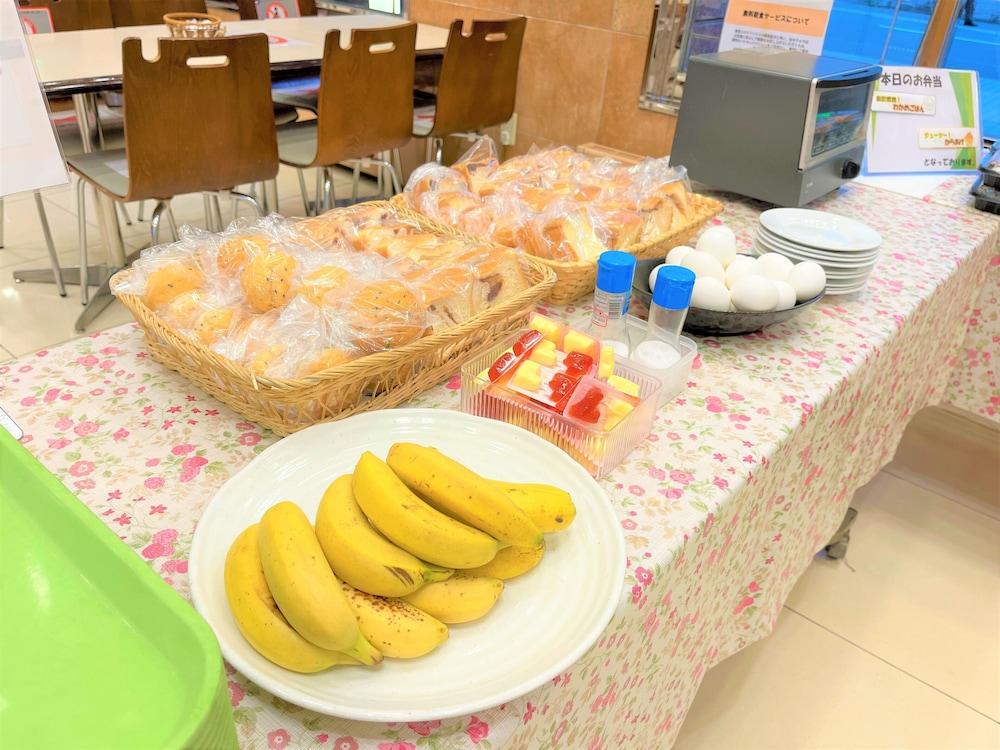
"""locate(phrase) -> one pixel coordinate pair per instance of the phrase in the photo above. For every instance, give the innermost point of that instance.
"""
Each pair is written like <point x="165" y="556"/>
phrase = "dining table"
<point x="744" y="478"/>
<point x="80" y="64"/>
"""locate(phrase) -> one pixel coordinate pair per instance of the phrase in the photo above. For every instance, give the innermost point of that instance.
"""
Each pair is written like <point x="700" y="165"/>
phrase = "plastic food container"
<point x="674" y="379"/>
<point x="597" y="450"/>
<point x="98" y="650"/>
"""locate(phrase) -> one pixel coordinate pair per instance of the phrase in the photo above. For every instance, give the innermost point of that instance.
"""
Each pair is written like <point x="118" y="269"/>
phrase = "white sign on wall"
<point x="798" y="25"/>
<point x="29" y="153"/>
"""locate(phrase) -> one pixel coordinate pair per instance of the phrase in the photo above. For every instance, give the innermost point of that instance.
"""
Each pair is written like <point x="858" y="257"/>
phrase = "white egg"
<point x="710" y="294"/>
<point x="754" y="294"/>
<point x="807" y="279"/>
<point x="719" y="242"/>
<point x="704" y="264"/>
<point x="775" y="267"/>
<point x="675" y="256"/>
<point x="741" y="265"/>
<point x="652" y="276"/>
<point x="786" y="295"/>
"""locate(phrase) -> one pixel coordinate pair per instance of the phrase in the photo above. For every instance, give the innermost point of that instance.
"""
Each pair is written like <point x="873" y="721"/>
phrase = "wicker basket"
<point x="576" y="279"/>
<point x="376" y="381"/>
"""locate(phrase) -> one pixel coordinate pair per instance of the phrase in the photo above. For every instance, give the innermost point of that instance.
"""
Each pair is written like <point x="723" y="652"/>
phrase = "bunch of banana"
<point x="377" y="576"/>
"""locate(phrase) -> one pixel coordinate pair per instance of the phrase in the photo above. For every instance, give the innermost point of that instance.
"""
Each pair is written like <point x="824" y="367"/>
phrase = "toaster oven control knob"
<point x="850" y="169"/>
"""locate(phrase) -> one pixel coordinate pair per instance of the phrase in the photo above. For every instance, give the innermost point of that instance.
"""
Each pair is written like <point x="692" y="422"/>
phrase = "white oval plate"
<point x="544" y="621"/>
<point x="784" y="246"/>
<point x="762" y="246"/>
<point x="820" y="229"/>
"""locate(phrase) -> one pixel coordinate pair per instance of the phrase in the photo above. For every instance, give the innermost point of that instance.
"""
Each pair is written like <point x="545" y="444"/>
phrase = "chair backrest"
<point x="74" y="15"/>
<point x="194" y="124"/>
<point x="149" y="12"/>
<point x="254" y="9"/>
<point x="366" y="93"/>
<point x="478" y="81"/>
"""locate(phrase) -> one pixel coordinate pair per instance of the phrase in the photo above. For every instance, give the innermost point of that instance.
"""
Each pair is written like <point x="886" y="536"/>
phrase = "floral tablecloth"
<point x="745" y="476"/>
<point x="975" y="381"/>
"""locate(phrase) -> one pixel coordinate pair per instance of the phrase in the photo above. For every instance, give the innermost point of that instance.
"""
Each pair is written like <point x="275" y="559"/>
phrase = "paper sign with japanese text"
<point x="924" y="120"/>
<point x="36" y="20"/>
<point x="278" y="9"/>
<point x="798" y="25"/>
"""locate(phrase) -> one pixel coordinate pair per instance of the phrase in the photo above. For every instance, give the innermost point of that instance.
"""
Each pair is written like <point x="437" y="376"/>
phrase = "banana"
<point x="459" y="599"/>
<point x="510" y="562"/>
<point x="306" y="590"/>
<point x="394" y="627"/>
<point x="362" y="557"/>
<point x="414" y="525"/>
<point x="461" y="493"/>
<point x="259" y="618"/>
<point x="548" y="507"/>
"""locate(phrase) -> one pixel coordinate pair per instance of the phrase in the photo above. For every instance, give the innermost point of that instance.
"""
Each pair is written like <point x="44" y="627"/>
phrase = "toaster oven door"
<point x="837" y="118"/>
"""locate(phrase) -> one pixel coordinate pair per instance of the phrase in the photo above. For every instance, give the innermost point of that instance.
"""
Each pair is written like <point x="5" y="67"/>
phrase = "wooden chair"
<point x="478" y="81"/>
<point x="293" y="8"/>
<point x="150" y="12"/>
<point x="365" y="107"/>
<point x="192" y="124"/>
<point x="74" y="15"/>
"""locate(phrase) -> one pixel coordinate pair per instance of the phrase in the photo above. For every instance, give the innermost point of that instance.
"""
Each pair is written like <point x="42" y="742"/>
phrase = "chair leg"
<point x="329" y="200"/>
<point x="217" y="212"/>
<point x="356" y="182"/>
<point x="206" y="204"/>
<point x="172" y="222"/>
<point x="47" y="233"/>
<point x="397" y="166"/>
<point x="246" y="197"/>
<point x="124" y="211"/>
<point x="154" y="221"/>
<point x="81" y="229"/>
<point x="302" y="190"/>
<point x="142" y="210"/>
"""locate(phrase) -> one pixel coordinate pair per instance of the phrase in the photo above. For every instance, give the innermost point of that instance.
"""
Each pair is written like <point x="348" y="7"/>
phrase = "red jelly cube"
<point x="578" y="364"/>
<point x="506" y="361"/>
<point x="527" y="342"/>
<point x="562" y="388"/>
<point x="586" y="409"/>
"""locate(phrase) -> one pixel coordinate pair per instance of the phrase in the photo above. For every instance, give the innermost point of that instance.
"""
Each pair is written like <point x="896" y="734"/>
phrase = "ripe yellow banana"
<point x="306" y="590"/>
<point x="459" y="599"/>
<point x="462" y="493"/>
<point x="362" y="557"/>
<point x="259" y="618"/>
<point x="396" y="628"/>
<point x="510" y="562"/>
<point x="413" y="524"/>
<point x="548" y="507"/>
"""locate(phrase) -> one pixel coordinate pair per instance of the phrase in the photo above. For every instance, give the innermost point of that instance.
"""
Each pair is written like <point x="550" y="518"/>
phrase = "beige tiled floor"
<point x="894" y="647"/>
<point x="897" y="645"/>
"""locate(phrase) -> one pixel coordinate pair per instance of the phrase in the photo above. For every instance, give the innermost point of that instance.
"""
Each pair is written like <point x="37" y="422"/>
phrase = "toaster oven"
<point x="782" y="127"/>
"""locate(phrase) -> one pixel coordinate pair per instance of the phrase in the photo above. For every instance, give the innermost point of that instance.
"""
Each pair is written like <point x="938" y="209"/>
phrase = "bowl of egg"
<point x="733" y="293"/>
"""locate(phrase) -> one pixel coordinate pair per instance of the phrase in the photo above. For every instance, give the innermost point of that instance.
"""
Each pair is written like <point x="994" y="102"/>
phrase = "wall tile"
<point x="633" y="16"/>
<point x="623" y="124"/>
<point x="561" y="80"/>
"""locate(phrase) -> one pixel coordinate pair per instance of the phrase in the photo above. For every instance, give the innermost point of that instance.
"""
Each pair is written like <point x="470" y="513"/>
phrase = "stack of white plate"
<point x="847" y="249"/>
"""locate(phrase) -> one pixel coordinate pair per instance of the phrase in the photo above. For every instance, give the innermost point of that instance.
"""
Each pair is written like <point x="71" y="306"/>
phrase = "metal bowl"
<point x="708" y="322"/>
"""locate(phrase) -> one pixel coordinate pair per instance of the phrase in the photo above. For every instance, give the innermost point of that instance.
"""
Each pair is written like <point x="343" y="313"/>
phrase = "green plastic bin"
<point x="96" y="651"/>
